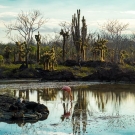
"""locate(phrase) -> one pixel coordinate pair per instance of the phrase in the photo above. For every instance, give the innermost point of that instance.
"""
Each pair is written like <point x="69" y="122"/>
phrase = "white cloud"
<point x="97" y="11"/>
<point x="127" y="12"/>
<point x="55" y="21"/>
<point x="1" y="6"/>
<point x="97" y="25"/>
<point x="8" y="14"/>
<point x="58" y="12"/>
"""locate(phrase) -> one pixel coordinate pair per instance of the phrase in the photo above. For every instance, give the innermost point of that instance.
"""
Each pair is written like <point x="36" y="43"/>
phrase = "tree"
<point x="113" y="29"/>
<point x="26" y="24"/>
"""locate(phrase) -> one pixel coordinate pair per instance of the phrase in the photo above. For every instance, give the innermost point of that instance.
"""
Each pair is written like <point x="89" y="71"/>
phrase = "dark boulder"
<point x="10" y="108"/>
<point x="36" y="107"/>
<point x="70" y="63"/>
<point x="111" y="74"/>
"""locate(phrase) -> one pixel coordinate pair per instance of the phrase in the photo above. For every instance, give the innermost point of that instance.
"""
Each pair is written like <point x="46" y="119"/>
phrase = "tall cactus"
<point x="65" y="35"/>
<point x="84" y="34"/>
<point x="38" y="39"/>
<point x="79" y="35"/>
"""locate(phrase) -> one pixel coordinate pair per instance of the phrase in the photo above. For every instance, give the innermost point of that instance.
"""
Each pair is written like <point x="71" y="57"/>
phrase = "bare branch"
<point x="66" y="26"/>
<point x="26" y="24"/>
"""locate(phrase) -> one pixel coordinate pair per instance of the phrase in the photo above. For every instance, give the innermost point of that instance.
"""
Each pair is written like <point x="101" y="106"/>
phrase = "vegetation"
<point x="76" y="44"/>
<point x="26" y="24"/>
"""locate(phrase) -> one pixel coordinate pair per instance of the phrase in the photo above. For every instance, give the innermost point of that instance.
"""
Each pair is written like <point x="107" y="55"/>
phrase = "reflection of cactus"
<point x="48" y="94"/>
<point x="80" y="111"/>
<point x="79" y="38"/>
<point x="38" y="38"/>
<point x="48" y="59"/>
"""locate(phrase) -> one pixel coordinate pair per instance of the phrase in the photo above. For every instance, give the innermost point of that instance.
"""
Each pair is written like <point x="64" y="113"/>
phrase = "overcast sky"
<point x="96" y="12"/>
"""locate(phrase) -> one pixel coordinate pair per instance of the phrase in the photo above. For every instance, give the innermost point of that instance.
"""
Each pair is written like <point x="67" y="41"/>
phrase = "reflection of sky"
<point x="117" y="118"/>
<point x="9" y="129"/>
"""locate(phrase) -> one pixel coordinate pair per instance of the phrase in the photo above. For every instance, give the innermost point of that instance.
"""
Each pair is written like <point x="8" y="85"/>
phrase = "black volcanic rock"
<point x="111" y="74"/>
<point x="58" y="75"/>
<point x="10" y="109"/>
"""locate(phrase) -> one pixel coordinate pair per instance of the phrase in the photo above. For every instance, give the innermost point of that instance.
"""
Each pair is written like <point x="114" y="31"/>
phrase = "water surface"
<point x="96" y="109"/>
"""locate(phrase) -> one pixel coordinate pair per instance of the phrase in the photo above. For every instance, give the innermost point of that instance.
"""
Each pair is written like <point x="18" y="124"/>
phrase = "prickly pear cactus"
<point x="99" y="49"/>
<point x="48" y="59"/>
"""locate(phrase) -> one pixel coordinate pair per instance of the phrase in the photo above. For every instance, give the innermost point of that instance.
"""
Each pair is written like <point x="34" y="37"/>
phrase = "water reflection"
<point x="67" y="111"/>
<point x="95" y="109"/>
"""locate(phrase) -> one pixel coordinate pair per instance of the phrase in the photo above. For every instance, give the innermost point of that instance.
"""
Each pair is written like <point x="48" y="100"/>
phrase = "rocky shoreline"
<point x="103" y="72"/>
<point x="12" y="110"/>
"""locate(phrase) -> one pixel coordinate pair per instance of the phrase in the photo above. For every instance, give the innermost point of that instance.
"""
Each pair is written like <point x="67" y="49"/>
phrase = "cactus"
<point x="7" y="50"/>
<point x="65" y="35"/>
<point x="48" y="59"/>
<point x="123" y="55"/>
<point x="99" y="49"/>
<point x="79" y="38"/>
<point x="52" y="58"/>
<point x="1" y="60"/>
<point x="38" y="39"/>
<point x="20" y="51"/>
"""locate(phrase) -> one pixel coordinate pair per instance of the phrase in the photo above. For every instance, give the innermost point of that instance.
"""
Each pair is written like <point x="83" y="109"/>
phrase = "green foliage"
<point x="1" y="58"/>
<point x="12" y="70"/>
<point x="77" y="71"/>
<point x="7" y="69"/>
<point x="83" y="71"/>
<point x="127" y="67"/>
<point x="11" y="66"/>
<point x="61" y="67"/>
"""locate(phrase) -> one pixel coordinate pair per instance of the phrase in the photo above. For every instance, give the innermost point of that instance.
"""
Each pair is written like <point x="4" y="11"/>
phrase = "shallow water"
<point x="96" y="109"/>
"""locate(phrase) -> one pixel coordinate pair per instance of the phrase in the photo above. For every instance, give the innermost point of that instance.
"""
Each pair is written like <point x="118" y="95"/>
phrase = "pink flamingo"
<point x="67" y="89"/>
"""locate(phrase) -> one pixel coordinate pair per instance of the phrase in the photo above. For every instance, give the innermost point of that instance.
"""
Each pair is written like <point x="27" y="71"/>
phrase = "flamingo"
<point x="67" y="89"/>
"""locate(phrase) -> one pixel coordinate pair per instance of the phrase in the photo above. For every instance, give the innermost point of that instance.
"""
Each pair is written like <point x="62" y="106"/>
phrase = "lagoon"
<point x="97" y="108"/>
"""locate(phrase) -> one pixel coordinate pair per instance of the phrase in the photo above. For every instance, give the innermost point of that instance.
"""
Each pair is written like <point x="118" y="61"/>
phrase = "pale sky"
<point x="96" y="12"/>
